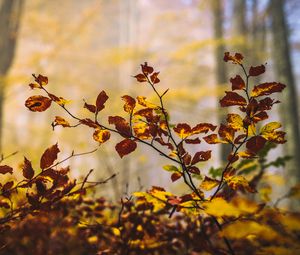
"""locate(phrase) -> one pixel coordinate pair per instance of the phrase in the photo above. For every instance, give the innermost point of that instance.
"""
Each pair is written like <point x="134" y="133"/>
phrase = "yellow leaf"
<point x="244" y="229"/>
<point x="238" y="182"/>
<point x="219" y="207"/>
<point x="101" y="135"/>
<point x="116" y="231"/>
<point x="209" y="183"/>
<point x="235" y="121"/>
<point x="142" y="101"/>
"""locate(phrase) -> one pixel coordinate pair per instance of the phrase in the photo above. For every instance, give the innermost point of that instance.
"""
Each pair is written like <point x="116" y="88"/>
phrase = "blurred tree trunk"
<point x="221" y="76"/>
<point x="283" y="70"/>
<point x="10" y="14"/>
<point x="239" y="26"/>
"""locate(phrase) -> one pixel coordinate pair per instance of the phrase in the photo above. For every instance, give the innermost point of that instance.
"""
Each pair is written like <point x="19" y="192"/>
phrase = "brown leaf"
<point x="49" y="156"/>
<point x="194" y="170"/>
<point x="175" y="176"/>
<point x="8" y="185"/>
<point x="89" y="122"/>
<point x="267" y="88"/>
<point x="140" y="77"/>
<point x="101" y="135"/>
<point x="212" y="139"/>
<point x="237" y="83"/>
<point x="193" y="141"/>
<point x="60" y="121"/>
<point x="101" y="99"/>
<point x="154" y="78"/>
<point x="203" y="128"/>
<point x="257" y="70"/>
<point x="183" y="130"/>
<point x="121" y="125"/>
<point x="227" y="133"/>
<point x="90" y="107"/>
<point x="236" y="59"/>
<point x="38" y="103"/>
<point x="40" y="79"/>
<point x="6" y="169"/>
<point x="125" y="147"/>
<point x="232" y="98"/>
<point x="147" y="69"/>
<point x="28" y="171"/>
<point x="129" y="103"/>
<point x="201" y="156"/>
<point x="255" y="143"/>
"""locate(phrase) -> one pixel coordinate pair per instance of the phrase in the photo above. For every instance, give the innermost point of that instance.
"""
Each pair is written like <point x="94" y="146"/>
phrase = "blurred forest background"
<point x="85" y="46"/>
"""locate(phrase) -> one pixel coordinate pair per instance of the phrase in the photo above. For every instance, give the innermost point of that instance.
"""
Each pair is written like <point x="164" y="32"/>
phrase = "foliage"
<point x="217" y="216"/>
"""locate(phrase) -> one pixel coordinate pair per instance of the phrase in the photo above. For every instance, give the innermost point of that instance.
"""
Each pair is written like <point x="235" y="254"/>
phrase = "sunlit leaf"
<point x="209" y="183"/>
<point x="60" y="121"/>
<point x="235" y="121"/>
<point x="129" y="103"/>
<point x="239" y="182"/>
<point x="213" y="139"/>
<point x="183" y="130"/>
<point x="237" y="58"/>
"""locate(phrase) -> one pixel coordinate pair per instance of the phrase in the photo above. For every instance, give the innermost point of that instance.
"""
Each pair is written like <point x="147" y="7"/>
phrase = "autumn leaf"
<point x="41" y="80"/>
<point x="209" y="183"/>
<point x="226" y="133"/>
<point x="213" y="139"/>
<point x="235" y="121"/>
<point x="257" y="70"/>
<point x="129" y="103"/>
<point x="193" y="141"/>
<point x="89" y="122"/>
<point x="236" y="59"/>
<point x="238" y="182"/>
<point x="147" y="69"/>
<point x="49" y="156"/>
<point x="175" y="176"/>
<point x="121" y="125"/>
<point x="183" y="130"/>
<point x="201" y="156"/>
<point x="255" y="143"/>
<point x="171" y="168"/>
<point x="28" y="171"/>
<point x="60" y="121"/>
<point x="38" y="103"/>
<point x="101" y="135"/>
<point x="203" y="128"/>
<point x="237" y="83"/>
<point x="100" y="101"/>
<point x="90" y="107"/>
<point x="232" y="98"/>
<point x="154" y="78"/>
<point x="140" y="77"/>
<point x="143" y="102"/>
<point x="125" y="147"/>
<point x="267" y="88"/>
<point x="6" y="169"/>
<point x="142" y="131"/>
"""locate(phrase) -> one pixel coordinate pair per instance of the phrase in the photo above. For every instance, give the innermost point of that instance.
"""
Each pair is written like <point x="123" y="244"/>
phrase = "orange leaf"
<point x="227" y="133"/>
<point x="209" y="183"/>
<point x="175" y="176"/>
<point x="212" y="139"/>
<point x="101" y="135"/>
<point x="125" y="147"/>
<point x="147" y="69"/>
<point x="236" y="59"/>
<point x="140" y="77"/>
<point x="49" y="156"/>
<point x="183" y="130"/>
<point x="40" y="79"/>
<point x="38" y="103"/>
<point x="203" y="128"/>
<point x="60" y="121"/>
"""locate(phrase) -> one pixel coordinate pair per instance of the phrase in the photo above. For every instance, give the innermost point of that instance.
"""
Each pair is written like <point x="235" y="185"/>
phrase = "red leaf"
<point x="140" y="77"/>
<point x="260" y="116"/>
<point x="8" y="185"/>
<point x="201" y="156"/>
<point x="232" y="98"/>
<point x="28" y="171"/>
<point x="101" y="99"/>
<point x="6" y="169"/>
<point x="257" y="70"/>
<point x="175" y="176"/>
<point x="226" y="133"/>
<point x="255" y="143"/>
<point x="40" y="79"/>
<point x="125" y="147"/>
<point x="147" y="69"/>
<point x="49" y="156"/>
<point x="237" y="83"/>
<point x="89" y="122"/>
<point x="267" y="88"/>
<point x="38" y="103"/>
<point x="183" y="130"/>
